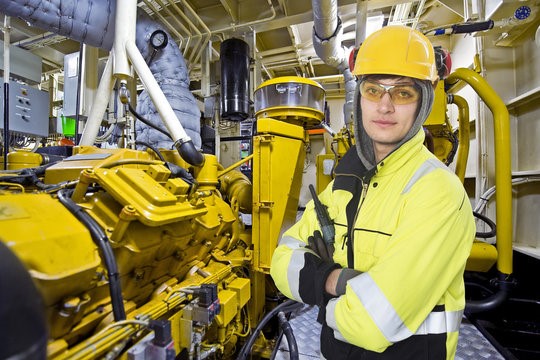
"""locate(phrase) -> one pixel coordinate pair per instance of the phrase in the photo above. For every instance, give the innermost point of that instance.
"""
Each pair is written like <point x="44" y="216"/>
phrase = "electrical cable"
<point x="102" y="241"/>
<point x="147" y="122"/>
<point x="489" y="222"/>
<point x="287" y="306"/>
<point x="289" y="335"/>
<point x="156" y="151"/>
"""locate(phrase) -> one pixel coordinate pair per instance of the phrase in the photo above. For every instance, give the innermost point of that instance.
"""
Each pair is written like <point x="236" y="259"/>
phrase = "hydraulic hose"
<point x="156" y="151"/>
<point x="504" y="283"/>
<point x="289" y="335"/>
<point x="102" y="241"/>
<point x="146" y="122"/>
<point x="287" y="306"/>
<point x="493" y="229"/>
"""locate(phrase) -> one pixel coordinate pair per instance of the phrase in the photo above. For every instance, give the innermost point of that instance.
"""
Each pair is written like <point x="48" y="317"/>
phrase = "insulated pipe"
<point x="182" y="141"/>
<point x="327" y="33"/>
<point x="126" y="17"/>
<point x="464" y="131"/>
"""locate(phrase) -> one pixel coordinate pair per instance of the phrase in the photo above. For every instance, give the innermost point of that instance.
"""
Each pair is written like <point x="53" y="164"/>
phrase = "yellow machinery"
<point x="119" y="242"/>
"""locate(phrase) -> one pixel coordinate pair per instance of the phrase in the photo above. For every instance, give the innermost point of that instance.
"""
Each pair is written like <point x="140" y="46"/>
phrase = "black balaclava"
<point x="364" y="145"/>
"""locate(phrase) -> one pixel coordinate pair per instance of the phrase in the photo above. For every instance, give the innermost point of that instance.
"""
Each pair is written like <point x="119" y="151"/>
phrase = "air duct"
<point x="327" y="34"/>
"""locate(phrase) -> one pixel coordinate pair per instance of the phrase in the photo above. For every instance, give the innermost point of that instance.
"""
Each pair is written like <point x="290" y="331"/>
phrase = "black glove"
<point x="320" y="247"/>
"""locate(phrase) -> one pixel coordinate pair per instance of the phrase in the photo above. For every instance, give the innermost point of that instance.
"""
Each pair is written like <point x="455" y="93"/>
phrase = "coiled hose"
<point x="287" y="306"/>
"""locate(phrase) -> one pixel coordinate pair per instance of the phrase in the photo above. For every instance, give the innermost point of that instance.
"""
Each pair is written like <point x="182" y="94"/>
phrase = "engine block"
<point x="161" y="230"/>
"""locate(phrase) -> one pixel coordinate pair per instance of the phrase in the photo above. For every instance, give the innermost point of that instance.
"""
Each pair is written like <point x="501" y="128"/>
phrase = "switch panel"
<point x="28" y="110"/>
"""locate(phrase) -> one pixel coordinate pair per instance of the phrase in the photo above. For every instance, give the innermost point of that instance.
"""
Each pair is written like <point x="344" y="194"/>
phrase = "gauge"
<point x="159" y="39"/>
<point x="522" y="12"/>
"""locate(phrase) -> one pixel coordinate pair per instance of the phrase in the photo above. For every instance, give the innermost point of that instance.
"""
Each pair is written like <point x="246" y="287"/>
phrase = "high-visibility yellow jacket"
<point x="413" y="231"/>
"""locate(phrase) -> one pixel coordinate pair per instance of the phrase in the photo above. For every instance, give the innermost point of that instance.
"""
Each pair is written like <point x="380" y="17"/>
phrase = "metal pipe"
<point x="207" y="30"/>
<point x="191" y="25"/>
<point x="165" y="22"/>
<point x="464" y="131"/>
<point x="327" y="34"/>
<point x="101" y="100"/>
<point x="250" y="23"/>
<point x="125" y="20"/>
<point x="503" y="170"/>
<point x="160" y="101"/>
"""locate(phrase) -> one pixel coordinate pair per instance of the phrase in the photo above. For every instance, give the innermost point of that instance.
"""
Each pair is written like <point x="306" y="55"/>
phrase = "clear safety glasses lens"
<point x="400" y="94"/>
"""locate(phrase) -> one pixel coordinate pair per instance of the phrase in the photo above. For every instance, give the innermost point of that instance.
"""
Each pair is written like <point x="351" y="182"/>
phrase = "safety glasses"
<point x="399" y="94"/>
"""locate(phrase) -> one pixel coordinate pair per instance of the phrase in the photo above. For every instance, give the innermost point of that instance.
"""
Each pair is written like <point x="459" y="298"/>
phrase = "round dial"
<point x="159" y="39"/>
<point x="522" y="12"/>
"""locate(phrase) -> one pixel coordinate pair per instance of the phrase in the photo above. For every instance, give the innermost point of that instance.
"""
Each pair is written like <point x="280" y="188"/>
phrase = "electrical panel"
<point x="28" y="110"/>
<point x="245" y="146"/>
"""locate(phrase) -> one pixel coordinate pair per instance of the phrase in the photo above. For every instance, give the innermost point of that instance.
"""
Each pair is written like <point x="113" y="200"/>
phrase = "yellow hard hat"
<point x="397" y="50"/>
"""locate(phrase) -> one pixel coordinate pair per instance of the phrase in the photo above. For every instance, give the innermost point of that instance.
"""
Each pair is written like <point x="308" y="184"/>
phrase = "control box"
<point x="28" y="109"/>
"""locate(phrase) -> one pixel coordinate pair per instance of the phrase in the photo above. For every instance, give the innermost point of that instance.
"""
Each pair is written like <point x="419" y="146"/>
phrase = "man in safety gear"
<point x="393" y="287"/>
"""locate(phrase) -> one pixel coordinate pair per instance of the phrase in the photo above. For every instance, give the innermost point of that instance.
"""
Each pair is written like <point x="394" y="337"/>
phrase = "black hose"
<point x="493" y="301"/>
<point x="102" y="241"/>
<point x="465" y="28"/>
<point x="505" y="284"/>
<point x="147" y="122"/>
<point x="287" y="306"/>
<point x="156" y="151"/>
<point x="189" y="152"/>
<point x="490" y="223"/>
<point x="289" y="335"/>
<point x="6" y="121"/>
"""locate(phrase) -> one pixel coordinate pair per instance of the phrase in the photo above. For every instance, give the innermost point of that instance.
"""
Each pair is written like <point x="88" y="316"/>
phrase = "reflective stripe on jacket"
<point x="412" y="235"/>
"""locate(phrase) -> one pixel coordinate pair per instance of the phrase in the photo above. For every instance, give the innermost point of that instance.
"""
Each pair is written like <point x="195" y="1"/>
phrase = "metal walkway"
<point x="472" y="344"/>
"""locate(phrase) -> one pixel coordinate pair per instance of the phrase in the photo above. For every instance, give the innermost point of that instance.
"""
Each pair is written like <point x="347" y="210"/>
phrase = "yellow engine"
<point x="131" y="242"/>
<point x="137" y="253"/>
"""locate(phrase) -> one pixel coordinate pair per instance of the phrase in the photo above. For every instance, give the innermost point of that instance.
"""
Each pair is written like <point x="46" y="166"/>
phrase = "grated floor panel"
<point x="472" y="344"/>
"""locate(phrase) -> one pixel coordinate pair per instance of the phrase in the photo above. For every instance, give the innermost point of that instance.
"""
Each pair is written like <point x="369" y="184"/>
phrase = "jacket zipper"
<point x="350" y="250"/>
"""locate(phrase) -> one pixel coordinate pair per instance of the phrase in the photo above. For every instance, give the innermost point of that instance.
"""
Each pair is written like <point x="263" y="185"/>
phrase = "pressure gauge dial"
<point x="522" y="12"/>
<point x="159" y="39"/>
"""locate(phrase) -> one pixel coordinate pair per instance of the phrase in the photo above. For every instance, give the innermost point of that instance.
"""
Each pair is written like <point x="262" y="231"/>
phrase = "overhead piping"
<point x="327" y="37"/>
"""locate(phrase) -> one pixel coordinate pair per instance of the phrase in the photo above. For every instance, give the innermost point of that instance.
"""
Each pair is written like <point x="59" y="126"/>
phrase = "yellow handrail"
<point x="503" y="169"/>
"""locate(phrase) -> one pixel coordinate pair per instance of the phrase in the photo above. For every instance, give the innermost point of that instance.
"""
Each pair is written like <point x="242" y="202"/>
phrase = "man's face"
<point x="386" y="122"/>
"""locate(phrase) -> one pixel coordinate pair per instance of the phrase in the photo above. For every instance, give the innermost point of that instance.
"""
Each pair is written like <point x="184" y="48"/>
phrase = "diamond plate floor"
<point x="472" y="344"/>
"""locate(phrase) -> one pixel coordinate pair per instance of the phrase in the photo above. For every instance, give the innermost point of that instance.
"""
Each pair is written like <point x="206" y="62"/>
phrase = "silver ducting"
<point x="92" y="22"/>
<point x="327" y="34"/>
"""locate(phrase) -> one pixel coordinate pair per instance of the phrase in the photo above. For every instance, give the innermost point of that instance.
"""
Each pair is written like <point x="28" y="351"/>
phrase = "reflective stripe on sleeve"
<point x="428" y="166"/>
<point x="385" y="316"/>
<point x="291" y="242"/>
<point x="331" y="318"/>
<point x="296" y="263"/>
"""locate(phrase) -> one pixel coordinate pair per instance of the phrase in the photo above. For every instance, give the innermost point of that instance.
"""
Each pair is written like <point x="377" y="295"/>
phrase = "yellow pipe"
<point x="503" y="169"/>
<point x="235" y="165"/>
<point x="455" y="85"/>
<point x="464" y="131"/>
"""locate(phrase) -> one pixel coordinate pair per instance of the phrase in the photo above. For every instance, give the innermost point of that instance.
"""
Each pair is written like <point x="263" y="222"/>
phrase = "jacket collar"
<point x="351" y="171"/>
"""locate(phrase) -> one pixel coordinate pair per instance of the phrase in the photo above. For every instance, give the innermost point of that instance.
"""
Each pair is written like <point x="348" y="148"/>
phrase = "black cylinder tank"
<point x="234" y="55"/>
